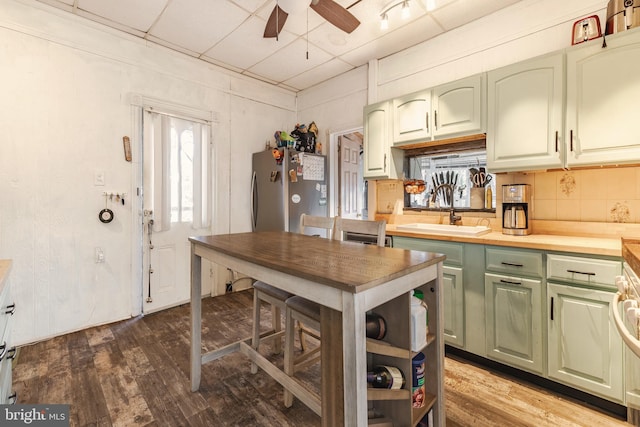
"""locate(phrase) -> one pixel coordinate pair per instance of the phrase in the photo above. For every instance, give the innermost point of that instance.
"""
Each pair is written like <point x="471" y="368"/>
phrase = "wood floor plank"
<point x="127" y="406"/>
<point x="136" y="372"/>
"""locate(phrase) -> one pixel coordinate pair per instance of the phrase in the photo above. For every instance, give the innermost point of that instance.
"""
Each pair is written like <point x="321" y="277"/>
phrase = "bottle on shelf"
<point x="418" y="390"/>
<point x="383" y="376"/>
<point x="376" y="326"/>
<point x="419" y="294"/>
<point x="418" y="324"/>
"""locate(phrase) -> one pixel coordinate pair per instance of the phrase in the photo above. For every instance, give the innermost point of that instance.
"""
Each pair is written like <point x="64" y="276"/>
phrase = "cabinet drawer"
<point x="453" y="251"/>
<point x="585" y="271"/>
<point x="511" y="261"/>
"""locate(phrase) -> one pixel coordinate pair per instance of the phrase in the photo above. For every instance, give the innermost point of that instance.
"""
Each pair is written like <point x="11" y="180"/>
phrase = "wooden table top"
<point x="348" y="266"/>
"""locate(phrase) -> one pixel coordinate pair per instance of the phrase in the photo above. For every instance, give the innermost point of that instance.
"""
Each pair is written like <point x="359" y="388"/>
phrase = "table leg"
<point x="331" y="382"/>
<point x="354" y="350"/>
<point x="196" y="320"/>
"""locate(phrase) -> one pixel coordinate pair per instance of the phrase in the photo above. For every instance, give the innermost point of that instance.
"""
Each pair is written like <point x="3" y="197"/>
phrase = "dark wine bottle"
<point x="386" y="377"/>
<point x="376" y="326"/>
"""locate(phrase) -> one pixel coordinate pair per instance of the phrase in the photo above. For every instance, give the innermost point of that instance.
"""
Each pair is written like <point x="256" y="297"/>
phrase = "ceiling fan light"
<point x="406" y="12"/>
<point x="384" y="22"/>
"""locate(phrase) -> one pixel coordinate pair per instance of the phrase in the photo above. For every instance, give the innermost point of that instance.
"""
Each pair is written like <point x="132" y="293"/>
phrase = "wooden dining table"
<point x="347" y="279"/>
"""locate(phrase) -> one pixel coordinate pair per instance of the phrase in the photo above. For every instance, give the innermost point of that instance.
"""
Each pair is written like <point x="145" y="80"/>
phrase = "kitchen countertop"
<point x="549" y="242"/>
<point x="631" y="253"/>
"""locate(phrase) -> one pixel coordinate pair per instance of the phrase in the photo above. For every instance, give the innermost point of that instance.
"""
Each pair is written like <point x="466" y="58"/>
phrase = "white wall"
<point x="66" y="86"/>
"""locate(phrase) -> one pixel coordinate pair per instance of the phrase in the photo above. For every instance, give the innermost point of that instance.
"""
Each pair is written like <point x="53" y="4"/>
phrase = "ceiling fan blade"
<point x="278" y="16"/>
<point x="336" y="15"/>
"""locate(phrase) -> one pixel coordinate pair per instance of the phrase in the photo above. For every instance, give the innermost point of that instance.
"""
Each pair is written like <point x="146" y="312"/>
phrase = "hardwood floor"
<point x="136" y="372"/>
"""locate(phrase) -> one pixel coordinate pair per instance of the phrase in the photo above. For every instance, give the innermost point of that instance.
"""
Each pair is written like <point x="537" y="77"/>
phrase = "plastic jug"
<point x="418" y="324"/>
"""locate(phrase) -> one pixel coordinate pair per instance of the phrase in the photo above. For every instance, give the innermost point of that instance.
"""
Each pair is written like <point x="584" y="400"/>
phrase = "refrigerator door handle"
<point x="254" y="201"/>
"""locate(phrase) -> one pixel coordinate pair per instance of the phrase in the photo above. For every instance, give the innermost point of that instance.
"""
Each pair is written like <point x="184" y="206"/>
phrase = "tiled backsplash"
<point x="589" y="195"/>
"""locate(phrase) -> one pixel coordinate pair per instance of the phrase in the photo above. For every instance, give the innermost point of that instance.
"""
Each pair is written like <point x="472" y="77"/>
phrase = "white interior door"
<point x="176" y="183"/>
<point x="351" y="181"/>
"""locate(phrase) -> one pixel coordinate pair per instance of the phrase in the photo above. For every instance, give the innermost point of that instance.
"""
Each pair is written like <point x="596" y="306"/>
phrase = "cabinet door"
<point x="602" y="88"/>
<point x="411" y="117"/>
<point x="376" y="140"/>
<point x="457" y="107"/>
<point x="585" y="350"/>
<point x="453" y="306"/>
<point x="525" y="115"/>
<point x="513" y="307"/>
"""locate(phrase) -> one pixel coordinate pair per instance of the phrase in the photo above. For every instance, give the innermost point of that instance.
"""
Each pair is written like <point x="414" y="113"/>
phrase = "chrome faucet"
<point x="448" y="188"/>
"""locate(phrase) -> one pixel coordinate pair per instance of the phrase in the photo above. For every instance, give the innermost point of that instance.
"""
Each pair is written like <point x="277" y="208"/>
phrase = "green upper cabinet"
<point x="525" y="115"/>
<point x="412" y="117"/>
<point x="379" y="161"/>
<point x="602" y="86"/>
<point x="531" y="126"/>
<point x="446" y="111"/>
<point x="458" y="107"/>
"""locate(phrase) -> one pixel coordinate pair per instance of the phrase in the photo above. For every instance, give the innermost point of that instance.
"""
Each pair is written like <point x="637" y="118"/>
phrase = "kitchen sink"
<point x="445" y="229"/>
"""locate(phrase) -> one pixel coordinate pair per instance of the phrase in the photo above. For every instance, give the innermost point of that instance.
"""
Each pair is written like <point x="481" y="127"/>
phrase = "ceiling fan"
<point x="328" y="9"/>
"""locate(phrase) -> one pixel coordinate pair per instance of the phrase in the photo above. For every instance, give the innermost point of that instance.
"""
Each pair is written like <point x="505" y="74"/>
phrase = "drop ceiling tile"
<point x="290" y="61"/>
<point x="405" y="36"/>
<point x="137" y="14"/>
<point x="252" y="6"/>
<point x="198" y="24"/>
<point x="53" y="3"/>
<point x="255" y="48"/>
<point x="464" y="11"/>
<point x="318" y="74"/>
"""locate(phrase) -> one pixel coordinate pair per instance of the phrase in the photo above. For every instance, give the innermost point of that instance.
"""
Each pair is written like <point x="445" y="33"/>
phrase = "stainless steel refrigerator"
<point x="283" y="189"/>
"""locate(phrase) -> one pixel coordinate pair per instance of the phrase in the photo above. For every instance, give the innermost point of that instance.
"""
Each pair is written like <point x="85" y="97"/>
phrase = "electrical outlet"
<point x="99" y="255"/>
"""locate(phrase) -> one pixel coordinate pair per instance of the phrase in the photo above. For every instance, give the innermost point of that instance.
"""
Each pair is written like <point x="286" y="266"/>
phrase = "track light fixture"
<point x="384" y="15"/>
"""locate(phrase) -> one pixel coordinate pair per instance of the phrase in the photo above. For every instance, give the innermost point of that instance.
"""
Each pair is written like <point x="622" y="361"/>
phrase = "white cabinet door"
<point x="525" y="115"/>
<point x="603" y="86"/>
<point x="377" y="137"/>
<point x="513" y="307"/>
<point x="411" y="117"/>
<point x="458" y="107"/>
<point x="453" y="308"/>
<point x="585" y="350"/>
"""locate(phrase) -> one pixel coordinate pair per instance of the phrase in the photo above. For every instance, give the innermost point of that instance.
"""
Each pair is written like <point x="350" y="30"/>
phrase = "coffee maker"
<point x="516" y="207"/>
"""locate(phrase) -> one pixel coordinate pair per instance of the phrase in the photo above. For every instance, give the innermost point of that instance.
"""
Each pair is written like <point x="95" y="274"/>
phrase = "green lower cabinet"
<point x="453" y="306"/>
<point x="585" y="349"/>
<point x="514" y="332"/>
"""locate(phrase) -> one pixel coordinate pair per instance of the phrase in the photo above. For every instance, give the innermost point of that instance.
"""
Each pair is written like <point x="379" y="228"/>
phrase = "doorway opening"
<point x="350" y="188"/>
